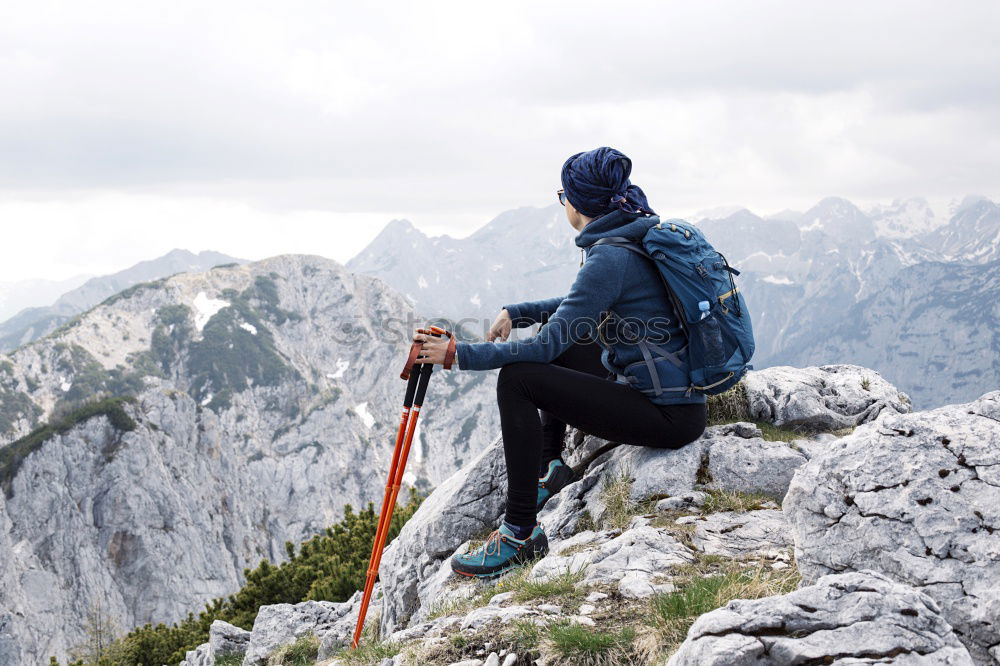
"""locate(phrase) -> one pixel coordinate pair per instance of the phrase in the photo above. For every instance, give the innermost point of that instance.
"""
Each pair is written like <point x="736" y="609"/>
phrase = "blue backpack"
<point x="710" y="308"/>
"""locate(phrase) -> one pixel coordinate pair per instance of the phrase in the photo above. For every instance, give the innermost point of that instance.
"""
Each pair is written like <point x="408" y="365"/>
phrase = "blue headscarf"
<point x="596" y="182"/>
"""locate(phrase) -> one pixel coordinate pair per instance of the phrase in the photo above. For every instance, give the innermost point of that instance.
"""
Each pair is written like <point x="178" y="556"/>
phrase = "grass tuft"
<point x="617" y="497"/>
<point x="711" y="583"/>
<point x="577" y="644"/>
<point x="773" y="433"/>
<point x="369" y="653"/>
<point x="562" y="587"/>
<point x="302" y="652"/>
<point x="733" y="500"/>
<point x="729" y="406"/>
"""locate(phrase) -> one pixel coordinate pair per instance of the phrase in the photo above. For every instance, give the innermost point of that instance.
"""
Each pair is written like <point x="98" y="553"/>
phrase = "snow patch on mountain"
<point x="206" y="308"/>
<point x="366" y="417"/>
<point x="342" y="366"/>
<point x="905" y="218"/>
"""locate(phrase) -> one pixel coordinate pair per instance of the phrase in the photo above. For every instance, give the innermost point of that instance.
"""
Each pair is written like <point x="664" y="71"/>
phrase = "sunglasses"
<point x="562" y="196"/>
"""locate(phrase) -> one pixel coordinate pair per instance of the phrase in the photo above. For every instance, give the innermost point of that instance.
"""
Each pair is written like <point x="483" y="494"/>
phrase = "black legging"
<point x="576" y="389"/>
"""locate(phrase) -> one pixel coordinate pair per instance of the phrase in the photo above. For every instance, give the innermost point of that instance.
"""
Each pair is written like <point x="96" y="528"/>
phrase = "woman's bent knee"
<point x="513" y="372"/>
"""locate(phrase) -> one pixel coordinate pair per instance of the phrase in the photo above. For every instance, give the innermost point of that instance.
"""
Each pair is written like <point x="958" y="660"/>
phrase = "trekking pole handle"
<point x="449" y="355"/>
<point x="415" y="347"/>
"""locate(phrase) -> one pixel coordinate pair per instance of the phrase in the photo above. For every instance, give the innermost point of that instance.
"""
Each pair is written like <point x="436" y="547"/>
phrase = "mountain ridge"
<point x="34" y="322"/>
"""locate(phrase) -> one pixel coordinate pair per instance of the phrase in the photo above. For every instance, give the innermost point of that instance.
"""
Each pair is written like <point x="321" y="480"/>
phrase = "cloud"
<point x="450" y="112"/>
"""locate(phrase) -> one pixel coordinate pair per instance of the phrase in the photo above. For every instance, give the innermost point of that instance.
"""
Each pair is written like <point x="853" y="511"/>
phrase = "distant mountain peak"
<point x="971" y="201"/>
<point x="718" y="212"/>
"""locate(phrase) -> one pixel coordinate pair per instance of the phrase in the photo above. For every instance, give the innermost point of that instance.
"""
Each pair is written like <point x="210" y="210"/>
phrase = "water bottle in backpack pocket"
<point x="710" y="336"/>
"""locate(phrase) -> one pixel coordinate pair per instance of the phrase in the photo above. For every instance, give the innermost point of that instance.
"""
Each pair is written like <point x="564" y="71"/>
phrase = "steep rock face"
<point x="936" y="327"/>
<point x="267" y="398"/>
<point x="973" y="236"/>
<point x="916" y="497"/>
<point x="853" y="618"/>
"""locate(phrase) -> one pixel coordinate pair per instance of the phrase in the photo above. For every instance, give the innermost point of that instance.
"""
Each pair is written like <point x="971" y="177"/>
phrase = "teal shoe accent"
<point x="558" y="476"/>
<point x="500" y="553"/>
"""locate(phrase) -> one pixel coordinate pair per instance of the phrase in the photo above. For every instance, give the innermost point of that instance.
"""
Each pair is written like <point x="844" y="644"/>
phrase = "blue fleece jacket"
<point x="612" y="279"/>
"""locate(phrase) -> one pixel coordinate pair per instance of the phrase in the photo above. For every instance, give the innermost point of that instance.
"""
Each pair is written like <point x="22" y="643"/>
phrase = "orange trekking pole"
<point x="416" y="388"/>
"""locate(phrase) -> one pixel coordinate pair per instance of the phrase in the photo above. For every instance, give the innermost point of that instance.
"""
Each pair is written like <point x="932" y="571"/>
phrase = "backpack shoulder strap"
<point x="636" y="246"/>
<point x="621" y="241"/>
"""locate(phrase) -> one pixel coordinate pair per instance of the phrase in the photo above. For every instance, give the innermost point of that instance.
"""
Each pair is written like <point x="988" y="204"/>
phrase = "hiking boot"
<point x="500" y="553"/>
<point x="558" y="476"/>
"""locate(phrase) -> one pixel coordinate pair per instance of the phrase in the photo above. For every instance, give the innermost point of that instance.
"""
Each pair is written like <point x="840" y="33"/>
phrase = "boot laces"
<point x="493" y="540"/>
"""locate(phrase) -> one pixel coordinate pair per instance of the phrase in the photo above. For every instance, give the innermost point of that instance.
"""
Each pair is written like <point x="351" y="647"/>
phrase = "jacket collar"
<point x="615" y="223"/>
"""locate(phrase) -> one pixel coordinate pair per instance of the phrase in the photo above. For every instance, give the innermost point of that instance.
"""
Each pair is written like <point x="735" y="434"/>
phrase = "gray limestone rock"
<point x="226" y="639"/>
<point x="826" y="397"/>
<point x="480" y="617"/>
<point x="762" y="533"/>
<point x="852" y="618"/>
<point x="752" y="465"/>
<point x="339" y="634"/>
<point x="642" y="554"/>
<point x="280" y="624"/>
<point x="689" y="501"/>
<point x="200" y="656"/>
<point x="916" y="497"/>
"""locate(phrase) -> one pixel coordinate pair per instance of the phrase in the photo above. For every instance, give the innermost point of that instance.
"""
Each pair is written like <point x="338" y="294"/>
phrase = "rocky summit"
<point x="865" y="534"/>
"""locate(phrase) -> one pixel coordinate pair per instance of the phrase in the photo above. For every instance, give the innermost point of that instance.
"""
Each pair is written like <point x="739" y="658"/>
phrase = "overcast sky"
<point x="127" y="129"/>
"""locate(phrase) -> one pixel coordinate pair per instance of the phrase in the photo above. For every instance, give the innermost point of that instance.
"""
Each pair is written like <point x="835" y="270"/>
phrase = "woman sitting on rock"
<point x="563" y="370"/>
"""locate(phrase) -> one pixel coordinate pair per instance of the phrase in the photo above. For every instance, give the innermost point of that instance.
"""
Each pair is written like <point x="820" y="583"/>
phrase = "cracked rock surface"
<point x="825" y="397"/>
<point x="916" y="497"/>
<point x="752" y="465"/>
<point x="640" y="553"/>
<point x="731" y="534"/>
<point x="852" y="618"/>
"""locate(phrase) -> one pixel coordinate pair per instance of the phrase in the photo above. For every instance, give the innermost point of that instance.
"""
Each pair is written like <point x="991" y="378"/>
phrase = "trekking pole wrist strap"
<point x="449" y="355"/>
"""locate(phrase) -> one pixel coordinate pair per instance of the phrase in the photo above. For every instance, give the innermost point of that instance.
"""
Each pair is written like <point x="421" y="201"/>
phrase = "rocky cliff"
<point x="266" y="397"/>
<point x="866" y="536"/>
